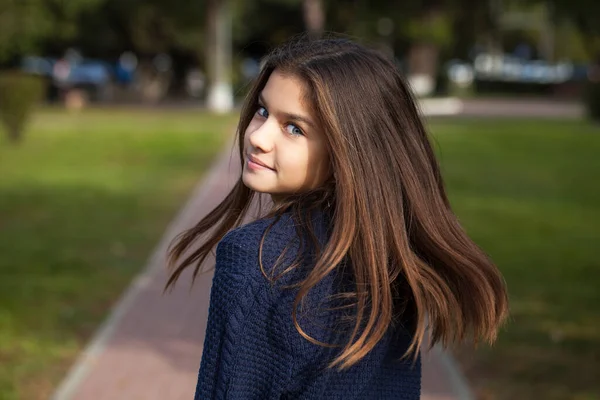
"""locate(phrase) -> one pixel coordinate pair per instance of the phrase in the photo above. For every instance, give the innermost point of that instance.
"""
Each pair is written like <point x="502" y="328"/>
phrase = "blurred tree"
<point x="473" y="22"/>
<point x="429" y="32"/>
<point x="422" y="32"/>
<point x="260" y="24"/>
<point x="148" y="28"/>
<point x="416" y="31"/>
<point x="154" y="26"/>
<point x="24" y="24"/>
<point x="19" y="94"/>
<point x="585" y="15"/>
<point x="144" y="26"/>
<point x="314" y="17"/>
<point x="218" y="55"/>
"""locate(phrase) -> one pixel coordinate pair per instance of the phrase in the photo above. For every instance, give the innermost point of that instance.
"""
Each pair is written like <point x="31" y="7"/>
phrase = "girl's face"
<point x="284" y="149"/>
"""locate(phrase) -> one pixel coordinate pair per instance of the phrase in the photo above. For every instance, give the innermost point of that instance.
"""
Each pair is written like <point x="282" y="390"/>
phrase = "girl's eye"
<point x="293" y="130"/>
<point x="262" y="112"/>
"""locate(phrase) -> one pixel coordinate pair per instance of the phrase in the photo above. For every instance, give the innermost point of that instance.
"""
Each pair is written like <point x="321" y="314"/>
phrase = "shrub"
<point x="19" y="93"/>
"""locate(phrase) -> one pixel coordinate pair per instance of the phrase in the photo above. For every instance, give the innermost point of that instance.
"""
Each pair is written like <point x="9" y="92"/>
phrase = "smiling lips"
<point x="256" y="161"/>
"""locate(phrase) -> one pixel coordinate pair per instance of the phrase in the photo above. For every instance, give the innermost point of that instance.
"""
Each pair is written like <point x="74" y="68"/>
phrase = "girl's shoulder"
<point x="282" y="238"/>
<point x="241" y="246"/>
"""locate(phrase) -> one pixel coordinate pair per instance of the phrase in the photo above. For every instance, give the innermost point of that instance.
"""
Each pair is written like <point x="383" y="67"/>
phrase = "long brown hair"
<point x="391" y="217"/>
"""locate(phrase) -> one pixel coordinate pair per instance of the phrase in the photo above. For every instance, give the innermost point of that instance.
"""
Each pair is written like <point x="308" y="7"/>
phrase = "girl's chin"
<point x="252" y="184"/>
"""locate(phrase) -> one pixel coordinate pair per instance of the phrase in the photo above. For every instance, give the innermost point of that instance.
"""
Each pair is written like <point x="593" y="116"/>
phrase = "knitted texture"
<point x="252" y="348"/>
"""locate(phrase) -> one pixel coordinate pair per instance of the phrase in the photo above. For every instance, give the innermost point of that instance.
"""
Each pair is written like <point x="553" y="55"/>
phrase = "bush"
<point x="592" y="100"/>
<point x="19" y="93"/>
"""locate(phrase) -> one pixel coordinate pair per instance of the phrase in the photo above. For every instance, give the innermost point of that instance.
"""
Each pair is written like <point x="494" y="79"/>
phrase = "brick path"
<point x="150" y="346"/>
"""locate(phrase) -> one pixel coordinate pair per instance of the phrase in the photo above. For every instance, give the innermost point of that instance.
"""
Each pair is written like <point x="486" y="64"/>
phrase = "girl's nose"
<point x="262" y="138"/>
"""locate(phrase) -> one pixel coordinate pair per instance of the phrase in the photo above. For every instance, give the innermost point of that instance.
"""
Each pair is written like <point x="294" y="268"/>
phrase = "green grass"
<point x="528" y="192"/>
<point x="83" y="200"/>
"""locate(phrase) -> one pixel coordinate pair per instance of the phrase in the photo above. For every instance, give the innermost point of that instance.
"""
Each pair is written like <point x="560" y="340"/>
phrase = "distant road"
<point x="447" y="106"/>
<point x="505" y="107"/>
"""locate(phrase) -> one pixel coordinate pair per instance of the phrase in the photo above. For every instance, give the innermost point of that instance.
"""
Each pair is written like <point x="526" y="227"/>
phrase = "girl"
<point x="330" y="294"/>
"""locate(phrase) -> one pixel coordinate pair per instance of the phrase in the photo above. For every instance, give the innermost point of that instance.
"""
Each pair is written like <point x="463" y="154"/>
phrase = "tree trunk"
<point x="423" y="60"/>
<point x="314" y="17"/>
<point x="218" y="56"/>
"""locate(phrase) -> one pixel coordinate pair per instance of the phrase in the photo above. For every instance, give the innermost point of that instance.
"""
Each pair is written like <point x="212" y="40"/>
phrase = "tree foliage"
<point x="585" y="15"/>
<point x="24" y="24"/>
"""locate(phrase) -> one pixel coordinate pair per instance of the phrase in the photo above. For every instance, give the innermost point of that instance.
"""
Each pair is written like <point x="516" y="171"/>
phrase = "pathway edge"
<point x="96" y="346"/>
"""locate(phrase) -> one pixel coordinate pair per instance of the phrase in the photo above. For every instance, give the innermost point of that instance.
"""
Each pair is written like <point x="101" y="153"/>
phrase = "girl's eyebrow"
<point x="290" y="116"/>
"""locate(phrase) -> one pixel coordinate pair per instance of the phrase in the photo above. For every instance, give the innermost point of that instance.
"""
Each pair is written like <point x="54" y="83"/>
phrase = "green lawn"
<point x="529" y="193"/>
<point x="83" y="200"/>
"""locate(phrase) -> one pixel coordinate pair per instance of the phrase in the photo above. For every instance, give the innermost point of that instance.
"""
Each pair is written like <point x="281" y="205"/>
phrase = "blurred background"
<point x="112" y="110"/>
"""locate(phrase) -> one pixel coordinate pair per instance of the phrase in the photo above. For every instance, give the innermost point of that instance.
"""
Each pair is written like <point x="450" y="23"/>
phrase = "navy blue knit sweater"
<point x="252" y="349"/>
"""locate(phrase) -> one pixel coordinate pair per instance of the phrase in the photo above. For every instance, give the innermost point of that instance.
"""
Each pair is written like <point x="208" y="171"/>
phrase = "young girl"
<point x="330" y="294"/>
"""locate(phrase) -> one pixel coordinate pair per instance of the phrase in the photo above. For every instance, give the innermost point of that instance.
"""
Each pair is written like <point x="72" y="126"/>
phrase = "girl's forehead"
<point x="283" y="85"/>
<point x="285" y="93"/>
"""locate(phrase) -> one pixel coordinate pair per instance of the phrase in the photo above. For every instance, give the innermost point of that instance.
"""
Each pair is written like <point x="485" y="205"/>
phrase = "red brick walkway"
<point x="150" y="347"/>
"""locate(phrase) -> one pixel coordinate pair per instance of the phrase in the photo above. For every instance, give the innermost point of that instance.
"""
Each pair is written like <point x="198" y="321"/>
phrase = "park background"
<point x="113" y="110"/>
